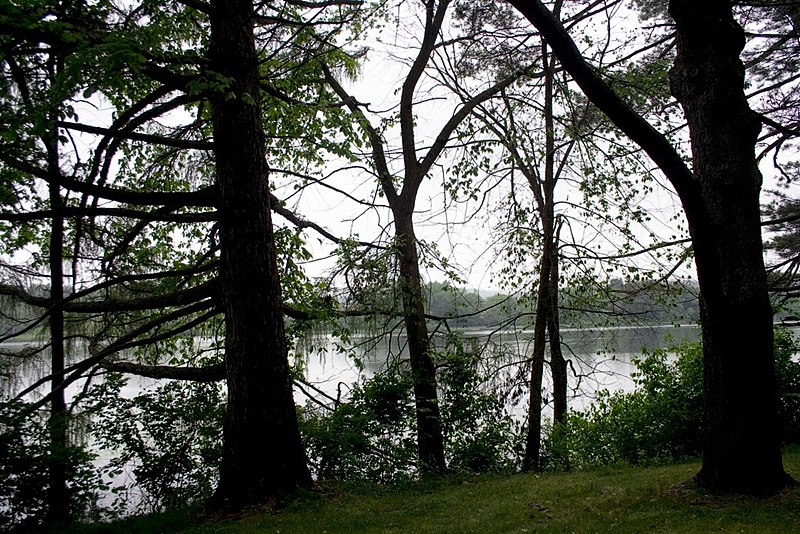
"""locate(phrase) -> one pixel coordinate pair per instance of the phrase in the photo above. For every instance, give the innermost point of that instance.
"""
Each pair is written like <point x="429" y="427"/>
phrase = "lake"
<point x="600" y="357"/>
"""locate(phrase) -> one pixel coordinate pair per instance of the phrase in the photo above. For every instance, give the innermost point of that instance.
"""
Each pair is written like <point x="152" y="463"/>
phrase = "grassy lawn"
<point x="623" y="500"/>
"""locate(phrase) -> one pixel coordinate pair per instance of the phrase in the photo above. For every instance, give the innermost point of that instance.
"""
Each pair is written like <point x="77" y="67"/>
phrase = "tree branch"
<point x="136" y="136"/>
<point x="115" y="304"/>
<point x="213" y="373"/>
<point x="607" y="100"/>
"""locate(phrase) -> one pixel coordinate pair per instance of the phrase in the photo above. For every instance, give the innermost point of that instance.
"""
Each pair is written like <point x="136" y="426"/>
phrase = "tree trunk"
<point x="741" y="451"/>
<point x="558" y="368"/>
<point x="429" y="430"/>
<point x="546" y="326"/>
<point x="58" y="510"/>
<point x="558" y="365"/>
<point x="263" y="456"/>
<point x="533" y="439"/>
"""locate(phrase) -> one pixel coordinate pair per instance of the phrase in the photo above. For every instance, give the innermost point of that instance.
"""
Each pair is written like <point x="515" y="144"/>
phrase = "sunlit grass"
<point x="656" y="499"/>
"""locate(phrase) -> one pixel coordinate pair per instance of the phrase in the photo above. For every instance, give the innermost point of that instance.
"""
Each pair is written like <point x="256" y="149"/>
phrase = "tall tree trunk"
<point x="558" y="365"/>
<point x="558" y="368"/>
<point x="533" y="438"/>
<point x="57" y="493"/>
<point x="263" y="456"/>
<point x="430" y="441"/>
<point x="741" y="450"/>
<point x="546" y="324"/>
<point x="429" y="430"/>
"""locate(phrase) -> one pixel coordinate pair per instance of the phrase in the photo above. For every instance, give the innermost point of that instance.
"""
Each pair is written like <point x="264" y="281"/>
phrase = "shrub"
<point x="372" y="435"/>
<point x="479" y="433"/>
<point x="25" y="456"/>
<point x="368" y="437"/>
<point x="168" y="440"/>
<point x="661" y="420"/>
<point x="787" y="370"/>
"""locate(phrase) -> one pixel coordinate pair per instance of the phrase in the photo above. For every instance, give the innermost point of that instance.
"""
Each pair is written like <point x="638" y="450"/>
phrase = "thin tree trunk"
<point x="57" y="493"/>
<point x="430" y="441"/>
<point x="550" y="252"/>
<point x="546" y="324"/>
<point x="263" y="456"/>
<point x="533" y="439"/>
<point x="429" y="431"/>
<point x="741" y="450"/>
<point x="558" y="365"/>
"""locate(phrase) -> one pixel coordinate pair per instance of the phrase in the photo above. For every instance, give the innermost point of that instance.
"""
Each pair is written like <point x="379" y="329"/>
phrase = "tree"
<point x="263" y="457"/>
<point x="139" y="196"/>
<point x="401" y="194"/>
<point x="785" y="216"/>
<point x="720" y="199"/>
<point x="542" y="131"/>
<point x="41" y="84"/>
<point x="708" y="79"/>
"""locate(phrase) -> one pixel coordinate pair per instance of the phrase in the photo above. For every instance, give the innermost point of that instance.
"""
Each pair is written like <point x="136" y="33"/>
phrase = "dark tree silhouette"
<point x="720" y="198"/>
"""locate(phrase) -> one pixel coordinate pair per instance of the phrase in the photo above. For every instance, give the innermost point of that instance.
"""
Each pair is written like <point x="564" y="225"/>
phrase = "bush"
<point x="169" y="440"/>
<point x="661" y="420"/>
<point x="369" y="437"/>
<point x="787" y="370"/>
<point x="479" y="434"/>
<point x="25" y="456"/>
<point x="372" y="436"/>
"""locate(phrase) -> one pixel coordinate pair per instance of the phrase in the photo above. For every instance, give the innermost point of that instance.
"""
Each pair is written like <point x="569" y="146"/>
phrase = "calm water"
<point x="600" y="358"/>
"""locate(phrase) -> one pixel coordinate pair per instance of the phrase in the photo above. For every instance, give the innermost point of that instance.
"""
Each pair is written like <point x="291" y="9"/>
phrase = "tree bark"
<point x="558" y="365"/>
<point x="58" y="510"/>
<point x="263" y="457"/>
<point x="533" y="438"/>
<point x="430" y="443"/>
<point x="546" y="326"/>
<point x="741" y="451"/>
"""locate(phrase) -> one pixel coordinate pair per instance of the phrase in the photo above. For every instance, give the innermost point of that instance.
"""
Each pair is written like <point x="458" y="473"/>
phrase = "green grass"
<point x="624" y="500"/>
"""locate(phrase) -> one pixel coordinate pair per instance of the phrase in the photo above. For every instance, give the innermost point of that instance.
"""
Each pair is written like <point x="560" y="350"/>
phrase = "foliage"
<point x="787" y="369"/>
<point x="661" y="419"/>
<point x="784" y="243"/>
<point x="24" y="460"/>
<point x="371" y="435"/>
<point x="480" y="435"/>
<point x="368" y="437"/>
<point x="167" y="439"/>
